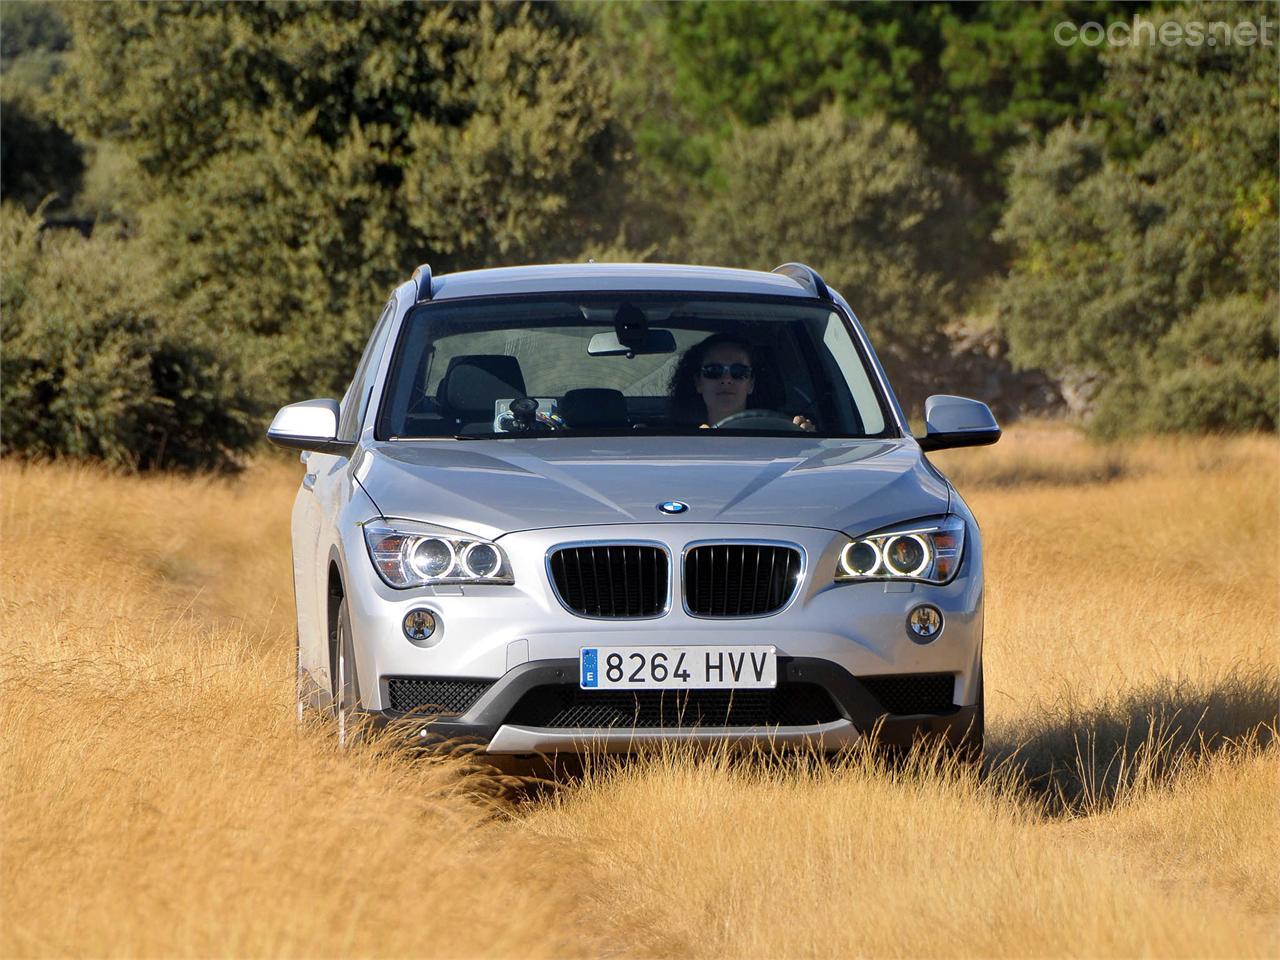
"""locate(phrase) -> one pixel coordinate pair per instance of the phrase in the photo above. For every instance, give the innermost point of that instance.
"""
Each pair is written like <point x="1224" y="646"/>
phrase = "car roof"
<point x="591" y="277"/>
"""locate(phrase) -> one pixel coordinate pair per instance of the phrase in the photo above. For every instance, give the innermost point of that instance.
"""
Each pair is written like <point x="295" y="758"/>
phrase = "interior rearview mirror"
<point x="652" y="341"/>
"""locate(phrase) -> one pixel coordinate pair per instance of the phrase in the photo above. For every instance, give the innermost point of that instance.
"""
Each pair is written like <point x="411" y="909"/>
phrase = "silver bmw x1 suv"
<point x="583" y="507"/>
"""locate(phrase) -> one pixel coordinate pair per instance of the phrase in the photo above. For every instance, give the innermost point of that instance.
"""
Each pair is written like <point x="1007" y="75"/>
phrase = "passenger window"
<point x="356" y="401"/>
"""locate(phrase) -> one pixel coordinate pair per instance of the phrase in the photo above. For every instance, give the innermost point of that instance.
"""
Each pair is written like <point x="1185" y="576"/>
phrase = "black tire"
<point x="344" y="680"/>
<point x="970" y="746"/>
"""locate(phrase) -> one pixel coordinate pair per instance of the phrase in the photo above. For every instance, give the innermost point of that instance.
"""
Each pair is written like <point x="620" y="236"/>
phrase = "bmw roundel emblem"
<point x="673" y="506"/>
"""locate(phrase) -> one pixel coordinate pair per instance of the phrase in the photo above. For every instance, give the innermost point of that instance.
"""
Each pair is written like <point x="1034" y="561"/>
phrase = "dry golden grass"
<point x="156" y="798"/>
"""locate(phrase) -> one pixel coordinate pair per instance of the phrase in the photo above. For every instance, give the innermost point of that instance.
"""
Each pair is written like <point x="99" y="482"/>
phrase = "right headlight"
<point x="409" y="554"/>
<point x="929" y="550"/>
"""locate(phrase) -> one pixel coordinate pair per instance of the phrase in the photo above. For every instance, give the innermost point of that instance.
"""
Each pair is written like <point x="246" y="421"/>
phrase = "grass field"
<point x="156" y="798"/>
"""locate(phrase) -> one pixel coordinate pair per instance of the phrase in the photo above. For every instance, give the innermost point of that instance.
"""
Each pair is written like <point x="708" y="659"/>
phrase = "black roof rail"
<point x="422" y="277"/>
<point x="807" y="277"/>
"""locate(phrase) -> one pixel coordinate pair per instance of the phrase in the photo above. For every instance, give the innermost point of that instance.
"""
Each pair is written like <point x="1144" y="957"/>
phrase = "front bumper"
<point x="496" y="633"/>
<point x="857" y="714"/>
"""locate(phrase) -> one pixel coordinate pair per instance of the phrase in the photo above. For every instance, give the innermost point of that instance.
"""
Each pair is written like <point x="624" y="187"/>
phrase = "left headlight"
<point x="927" y="550"/>
<point x="408" y="554"/>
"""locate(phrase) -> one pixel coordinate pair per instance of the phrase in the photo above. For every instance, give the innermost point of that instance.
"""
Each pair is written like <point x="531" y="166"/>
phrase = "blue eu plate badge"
<point x="590" y="676"/>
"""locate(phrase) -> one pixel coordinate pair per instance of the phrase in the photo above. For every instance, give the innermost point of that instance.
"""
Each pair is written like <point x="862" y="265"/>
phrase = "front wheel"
<point x="343" y="680"/>
<point x="969" y="748"/>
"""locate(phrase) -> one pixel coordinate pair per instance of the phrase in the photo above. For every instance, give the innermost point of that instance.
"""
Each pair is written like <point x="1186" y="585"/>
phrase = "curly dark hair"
<point x="686" y="402"/>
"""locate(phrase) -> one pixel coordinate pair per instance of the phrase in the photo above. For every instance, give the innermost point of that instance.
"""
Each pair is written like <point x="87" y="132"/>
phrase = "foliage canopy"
<point x="99" y="362"/>
<point x="302" y="155"/>
<point x="858" y="201"/>
<point x="261" y="174"/>
<point x="1146" y="268"/>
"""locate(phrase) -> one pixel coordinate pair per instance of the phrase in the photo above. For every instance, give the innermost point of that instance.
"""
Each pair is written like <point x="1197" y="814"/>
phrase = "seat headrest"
<point x="473" y="383"/>
<point x="593" y="407"/>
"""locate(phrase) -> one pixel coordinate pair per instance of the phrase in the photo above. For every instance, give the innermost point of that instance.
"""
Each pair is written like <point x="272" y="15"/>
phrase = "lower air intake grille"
<point x="438" y="696"/>
<point x="913" y="693"/>
<point x="789" y="704"/>
<point x="611" y="580"/>
<point x="739" y="579"/>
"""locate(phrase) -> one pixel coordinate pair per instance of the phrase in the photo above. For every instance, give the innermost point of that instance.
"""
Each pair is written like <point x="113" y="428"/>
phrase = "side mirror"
<point x="310" y="425"/>
<point x="957" y="422"/>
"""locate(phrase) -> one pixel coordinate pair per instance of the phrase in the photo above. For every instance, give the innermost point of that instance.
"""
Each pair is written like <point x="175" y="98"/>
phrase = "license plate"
<point x="677" y="668"/>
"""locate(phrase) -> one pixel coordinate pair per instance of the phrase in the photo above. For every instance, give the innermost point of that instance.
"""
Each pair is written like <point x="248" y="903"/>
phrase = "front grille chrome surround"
<point x="767" y="580"/>
<point x="612" y="579"/>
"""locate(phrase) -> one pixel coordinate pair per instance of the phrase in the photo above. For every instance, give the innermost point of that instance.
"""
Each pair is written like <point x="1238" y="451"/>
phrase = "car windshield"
<point x="627" y="363"/>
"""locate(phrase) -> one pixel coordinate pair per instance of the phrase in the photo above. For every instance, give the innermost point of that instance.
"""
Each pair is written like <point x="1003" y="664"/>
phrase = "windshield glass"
<point x="627" y="363"/>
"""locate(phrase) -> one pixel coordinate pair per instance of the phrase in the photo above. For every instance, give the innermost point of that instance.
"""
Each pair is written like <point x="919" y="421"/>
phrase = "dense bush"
<point x="972" y="80"/>
<point x="1216" y="370"/>
<point x="278" y="167"/>
<point x="99" y="362"/>
<point x="304" y="157"/>
<point x="38" y="158"/>
<point x="1147" y="255"/>
<point x="859" y="202"/>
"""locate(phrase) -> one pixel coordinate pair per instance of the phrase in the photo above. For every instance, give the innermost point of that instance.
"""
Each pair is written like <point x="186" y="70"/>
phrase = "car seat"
<point x="767" y="392"/>
<point x="472" y="384"/>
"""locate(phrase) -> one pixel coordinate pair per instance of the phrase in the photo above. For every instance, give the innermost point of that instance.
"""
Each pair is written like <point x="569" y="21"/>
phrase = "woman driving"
<point x="714" y="379"/>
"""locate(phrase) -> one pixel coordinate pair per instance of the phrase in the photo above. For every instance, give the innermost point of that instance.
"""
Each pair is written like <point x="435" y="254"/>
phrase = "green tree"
<point x="1131" y="248"/>
<point x="99" y="363"/>
<point x="1214" y="370"/>
<point x="306" y="156"/>
<point x="28" y="28"/>
<point x="38" y="158"/>
<point x="972" y="80"/>
<point x="859" y="201"/>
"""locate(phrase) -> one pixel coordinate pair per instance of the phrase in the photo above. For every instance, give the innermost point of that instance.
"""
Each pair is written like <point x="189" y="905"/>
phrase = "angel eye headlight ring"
<point x="432" y="557"/>
<point x="481" y="560"/>
<point x="860" y="558"/>
<point x="406" y="553"/>
<point x="900" y="552"/>
<point x="929" y="550"/>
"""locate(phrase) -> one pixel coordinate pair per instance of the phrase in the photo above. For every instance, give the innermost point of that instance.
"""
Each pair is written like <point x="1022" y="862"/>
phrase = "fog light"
<point x="419" y="624"/>
<point x="924" y="623"/>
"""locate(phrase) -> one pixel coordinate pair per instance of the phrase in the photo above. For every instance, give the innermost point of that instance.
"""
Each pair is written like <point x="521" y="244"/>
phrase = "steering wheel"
<point x="760" y="419"/>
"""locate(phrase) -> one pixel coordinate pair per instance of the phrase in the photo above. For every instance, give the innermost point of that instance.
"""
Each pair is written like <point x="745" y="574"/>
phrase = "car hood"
<point x="492" y="487"/>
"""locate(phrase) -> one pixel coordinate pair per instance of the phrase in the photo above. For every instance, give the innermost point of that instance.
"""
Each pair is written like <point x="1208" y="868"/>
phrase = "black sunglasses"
<point x="715" y="371"/>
